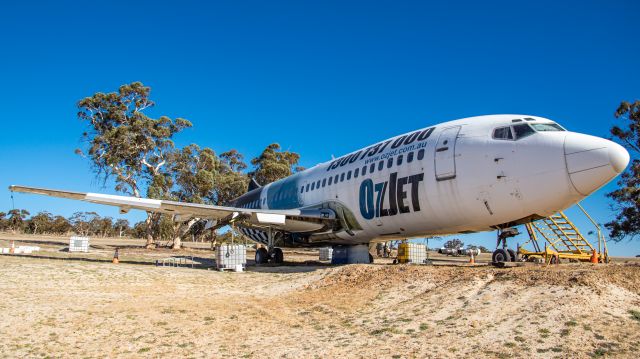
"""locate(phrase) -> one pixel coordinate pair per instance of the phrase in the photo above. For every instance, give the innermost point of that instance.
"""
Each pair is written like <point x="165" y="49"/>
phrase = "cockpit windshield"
<point x="516" y="132"/>
<point x="522" y="130"/>
<point x="549" y="126"/>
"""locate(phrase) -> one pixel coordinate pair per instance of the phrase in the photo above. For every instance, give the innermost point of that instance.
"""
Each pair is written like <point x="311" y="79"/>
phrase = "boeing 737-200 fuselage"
<point x="474" y="174"/>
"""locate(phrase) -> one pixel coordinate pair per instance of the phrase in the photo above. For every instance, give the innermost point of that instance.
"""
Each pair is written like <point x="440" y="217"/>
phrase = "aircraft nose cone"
<point x="618" y="157"/>
<point x="593" y="161"/>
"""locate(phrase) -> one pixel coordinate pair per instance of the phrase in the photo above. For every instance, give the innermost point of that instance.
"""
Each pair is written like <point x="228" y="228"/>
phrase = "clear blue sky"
<point x="320" y="78"/>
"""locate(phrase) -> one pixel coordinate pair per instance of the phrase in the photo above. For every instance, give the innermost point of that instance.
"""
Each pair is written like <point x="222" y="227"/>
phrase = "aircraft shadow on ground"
<point x="198" y="263"/>
<point x="286" y="267"/>
<point x="79" y="259"/>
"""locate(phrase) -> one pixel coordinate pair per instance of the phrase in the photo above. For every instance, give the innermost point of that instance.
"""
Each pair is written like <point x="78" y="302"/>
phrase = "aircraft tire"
<point x="262" y="256"/>
<point x="512" y="254"/>
<point x="278" y="256"/>
<point x="500" y="256"/>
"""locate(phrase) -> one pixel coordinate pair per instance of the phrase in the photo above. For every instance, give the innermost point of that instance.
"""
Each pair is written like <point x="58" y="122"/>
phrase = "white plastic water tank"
<point x="231" y="256"/>
<point x="79" y="244"/>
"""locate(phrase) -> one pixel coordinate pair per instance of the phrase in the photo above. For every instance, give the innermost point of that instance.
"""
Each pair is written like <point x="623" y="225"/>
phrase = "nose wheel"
<point x="500" y="256"/>
<point x="504" y="254"/>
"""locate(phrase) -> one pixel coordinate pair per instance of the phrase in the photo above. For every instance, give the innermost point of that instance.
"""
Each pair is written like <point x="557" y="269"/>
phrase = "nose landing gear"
<point x="504" y="254"/>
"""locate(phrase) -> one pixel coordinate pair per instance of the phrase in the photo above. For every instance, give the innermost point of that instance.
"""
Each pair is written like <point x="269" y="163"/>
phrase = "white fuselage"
<point x="474" y="174"/>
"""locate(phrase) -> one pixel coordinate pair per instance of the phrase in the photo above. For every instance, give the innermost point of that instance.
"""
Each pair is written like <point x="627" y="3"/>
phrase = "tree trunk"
<point x="177" y="242"/>
<point x="181" y="230"/>
<point x="149" y="222"/>
<point x="214" y="238"/>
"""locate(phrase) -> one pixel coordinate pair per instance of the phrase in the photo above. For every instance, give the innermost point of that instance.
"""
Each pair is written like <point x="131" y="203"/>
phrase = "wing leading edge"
<point x="290" y="220"/>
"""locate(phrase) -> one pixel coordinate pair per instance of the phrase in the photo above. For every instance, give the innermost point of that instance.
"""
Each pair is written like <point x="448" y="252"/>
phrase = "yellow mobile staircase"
<point x="563" y="240"/>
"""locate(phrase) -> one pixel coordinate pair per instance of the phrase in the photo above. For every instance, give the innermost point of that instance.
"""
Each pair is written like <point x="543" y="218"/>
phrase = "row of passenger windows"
<point x="252" y="204"/>
<point x="361" y="171"/>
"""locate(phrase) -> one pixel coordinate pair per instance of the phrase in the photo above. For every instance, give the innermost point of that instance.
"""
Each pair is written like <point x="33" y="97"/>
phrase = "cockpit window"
<point x="523" y="130"/>
<point x="544" y="127"/>
<point x="502" y="133"/>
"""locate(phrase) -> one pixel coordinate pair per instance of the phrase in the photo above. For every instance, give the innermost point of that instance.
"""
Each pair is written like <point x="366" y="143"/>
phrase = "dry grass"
<point x="96" y="309"/>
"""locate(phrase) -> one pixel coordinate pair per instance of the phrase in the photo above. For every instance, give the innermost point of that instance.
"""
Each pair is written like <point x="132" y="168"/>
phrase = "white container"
<point x="79" y="244"/>
<point x="326" y="253"/>
<point x="231" y="256"/>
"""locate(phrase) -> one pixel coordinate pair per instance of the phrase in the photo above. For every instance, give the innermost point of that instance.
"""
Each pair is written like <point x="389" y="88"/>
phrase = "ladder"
<point x="563" y="239"/>
<point x="562" y="235"/>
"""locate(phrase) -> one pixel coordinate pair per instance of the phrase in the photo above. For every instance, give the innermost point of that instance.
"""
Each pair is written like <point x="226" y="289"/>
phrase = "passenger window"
<point x="364" y="170"/>
<point x="390" y="162"/>
<point x="318" y="184"/>
<point x="335" y="180"/>
<point x="348" y="175"/>
<point x="330" y="180"/>
<point x="421" y="154"/>
<point x="313" y="185"/>
<point x="522" y="130"/>
<point x="372" y="168"/>
<point x="356" y="172"/>
<point x="399" y="162"/>
<point x="307" y="190"/>
<point x="324" y="182"/>
<point x="503" y="133"/>
<point x="342" y="177"/>
<point x="410" y="157"/>
<point x="301" y="189"/>
<point x="380" y="165"/>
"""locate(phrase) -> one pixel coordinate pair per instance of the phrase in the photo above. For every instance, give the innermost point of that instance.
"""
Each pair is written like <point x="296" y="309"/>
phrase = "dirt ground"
<point x="85" y="306"/>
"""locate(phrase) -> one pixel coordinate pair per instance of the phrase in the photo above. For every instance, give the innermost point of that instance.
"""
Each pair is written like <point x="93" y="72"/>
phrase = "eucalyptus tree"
<point x="121" y="227"/>
<point x="60" y="225"/>
<point x="16" y="219"/>
<point x="195" y="171"/>
<point x="274" y="164"/>
<point x="201" y="176"/>
<point x="81" y="222"/>
<point x="627" y="197"/>
<point x="126" y="145"/>
<point x="43" y="222"/>
<point x="231" y="181"/>
<point x="4" y="222"/>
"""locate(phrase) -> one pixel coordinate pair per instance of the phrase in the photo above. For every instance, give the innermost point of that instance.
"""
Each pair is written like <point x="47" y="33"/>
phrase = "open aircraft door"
<point x="445" y="154"/>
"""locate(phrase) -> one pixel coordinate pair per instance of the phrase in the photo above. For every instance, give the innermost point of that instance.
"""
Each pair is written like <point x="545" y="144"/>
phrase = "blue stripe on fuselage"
<point x="284" y="194"/>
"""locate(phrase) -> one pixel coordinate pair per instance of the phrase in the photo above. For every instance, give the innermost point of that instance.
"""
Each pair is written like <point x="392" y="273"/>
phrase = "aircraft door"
<point x="445" y="154"/>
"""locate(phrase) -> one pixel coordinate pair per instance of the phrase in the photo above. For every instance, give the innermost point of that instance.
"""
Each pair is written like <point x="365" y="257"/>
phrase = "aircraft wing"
<point x="290" y="220"/>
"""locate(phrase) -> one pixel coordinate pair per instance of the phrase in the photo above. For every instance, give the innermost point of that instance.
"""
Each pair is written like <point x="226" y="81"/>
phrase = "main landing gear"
<point x="263" y="255"/>
<point x="272" y="253"/>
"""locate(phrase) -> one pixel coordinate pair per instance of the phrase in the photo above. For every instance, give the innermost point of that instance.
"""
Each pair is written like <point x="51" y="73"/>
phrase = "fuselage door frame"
<point x="445" y="154"/>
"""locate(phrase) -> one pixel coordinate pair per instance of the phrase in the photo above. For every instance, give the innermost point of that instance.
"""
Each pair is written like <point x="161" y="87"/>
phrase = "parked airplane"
<point x="469" y="175"/>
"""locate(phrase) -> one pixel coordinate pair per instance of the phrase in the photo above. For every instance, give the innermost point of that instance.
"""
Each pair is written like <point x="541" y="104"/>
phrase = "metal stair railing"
<point x="563" y="238"/>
